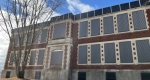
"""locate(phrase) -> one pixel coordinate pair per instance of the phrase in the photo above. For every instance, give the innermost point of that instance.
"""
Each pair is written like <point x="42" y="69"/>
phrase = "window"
<point x="56" y="57"/>
<point x="108" y="25"/>
<point x="83" y="15"/>
<point x="59" y="31"/>
<point x="124" y="6"/>
<point x="32" y="57"/>
<point x="139" y="21"/>
<point x="77" y="17"/>
<point x="8" y="74"/>
<point x="36" y="34"/>
<point x="110" y="76"/>
<point x="29" y="38"/>
<point x="125" y="52"/>
<point x="83" y="29"/>
<point x="98" y="12"/>
<point x="95" y="27"/>
<point x="115" y="8"/>
<point x="11" y="59"/>
<point x="109" y="51"/>
<point x="106" y="10"/>
<point x="23" y="38"/>
<point x="95" y="53"/>
<point x="123" y="23"/>
<point x="81" y="75"/>
<point x="134" y="4"/>
<point x="40" y="57"/>
<point x="145" y="76"/>
<point x="16" y="40"/>
<point x="44" y="35"/>
<point x="91" y="14"/>
<point x="143" y="50"/>
<point x="82" y="54"/>
<point x="37" y="74"/>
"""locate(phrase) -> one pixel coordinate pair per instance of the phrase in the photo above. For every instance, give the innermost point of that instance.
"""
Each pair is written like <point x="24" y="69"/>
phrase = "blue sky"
<point x="74" y="6"/>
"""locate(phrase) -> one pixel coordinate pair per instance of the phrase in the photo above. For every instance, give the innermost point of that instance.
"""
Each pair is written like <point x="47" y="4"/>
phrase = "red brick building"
<point x="111" y="43"/>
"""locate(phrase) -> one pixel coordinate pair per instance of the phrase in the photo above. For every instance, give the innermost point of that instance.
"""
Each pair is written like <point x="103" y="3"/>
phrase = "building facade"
<point x="112" y="43"/>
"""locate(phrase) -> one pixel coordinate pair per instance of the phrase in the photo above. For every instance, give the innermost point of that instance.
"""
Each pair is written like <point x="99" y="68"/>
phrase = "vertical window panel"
<point x="82" y="54"/>
<point x="139" y="21"/>
<point x="40" y="57"/>
<point x="98" y="12"/>
<point x="143" y="50"/>
<point x="16" y="40"/>
<point x="56" y="57"/>
<point x="29" y="38"/>
<point x="59" y="31"/>
<point x="11" y="59"/>
<point x="37" y="33"/>
<point x="108" y="25"/>
<point x="32" y="58"/>
<point x="95" y="27"/>
<point x="83" y="29"/>
<point x="115" y="8"/>
<point x="37" y="74"/>
<point x="123" y="22"/>
<point x="83" y="15"/>
<point x="44" y="35"/>
<point x="95" y="53"/>
<point x="109" y="51"/>
<point x="124" y="6"/>
<point x="91" y="14"/>
<point x="125" y="52"/>
<point x="23" y="38"/>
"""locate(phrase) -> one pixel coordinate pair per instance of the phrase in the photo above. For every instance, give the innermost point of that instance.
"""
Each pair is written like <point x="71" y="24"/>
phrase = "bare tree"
<point x="20" y="17"/>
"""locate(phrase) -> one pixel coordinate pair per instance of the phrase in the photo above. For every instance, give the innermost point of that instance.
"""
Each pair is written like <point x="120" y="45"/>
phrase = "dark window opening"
<point x="83" y="15"/>
<point x="77" y="17"/>
<point x="8" y="74"/>
<point x="98" y="12"/>
<point x="106" y="10"/>
<point x="91" y="14"/>
<point x="37" y="74"/>
<point x="115" y="8"/>
<point x="124" y="6"/>
<point x="145" y="76"/>
<point x="110" y="76"/>
<point x="81" y="75"/>
<point x="134" y="4"/>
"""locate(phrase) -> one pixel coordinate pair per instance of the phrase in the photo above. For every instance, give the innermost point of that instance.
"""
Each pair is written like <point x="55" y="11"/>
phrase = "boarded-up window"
<point x="59" y="31"/>
<point x="123" y="22"/>
<point x="81" y="75"/>
<point x="95" y="27"/>
<point x="16" y="40"/>
<point x="37" y="74"/>
<point x="83" y="29"/>
<point x="8" y="74"/>
<point x="95" y="53"/>
<point x="56" y="57"/>
<point x="125" y="52"/>
<point x="40" y="57"/>
<point x="29" y="38"/>
<point x="32" y="58"/>
<point x="44" y="35"/>
<point x="145" y="76"/>
<point x="82" y="54"/>
<point x="36" y="36"/>
<point x="109" y="50"/>
<point x="11" y="59"/>
<point x="110" y="76"/>
<point x="108" y="25"/>
<point x="143" y="50"/>
<point x="139" y="21"/>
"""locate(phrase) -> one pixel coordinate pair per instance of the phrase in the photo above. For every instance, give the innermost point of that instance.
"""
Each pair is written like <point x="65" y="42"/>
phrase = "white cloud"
<point x="76" y="6"/>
